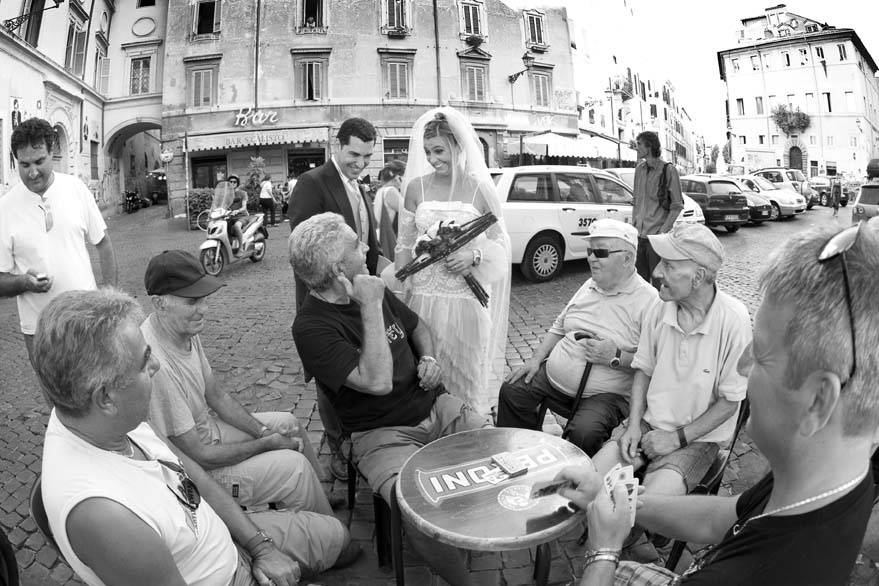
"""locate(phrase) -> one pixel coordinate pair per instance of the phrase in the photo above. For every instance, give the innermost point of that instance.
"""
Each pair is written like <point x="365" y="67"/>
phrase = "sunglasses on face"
<point x="837" y="246"/>
<point x="186" y="491"/>
<point x="601" y="252"/>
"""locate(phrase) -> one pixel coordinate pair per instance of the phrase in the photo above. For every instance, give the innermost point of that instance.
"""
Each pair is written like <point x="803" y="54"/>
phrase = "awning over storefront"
<point x="265" y="137"/>
<point x="547" y="144"/>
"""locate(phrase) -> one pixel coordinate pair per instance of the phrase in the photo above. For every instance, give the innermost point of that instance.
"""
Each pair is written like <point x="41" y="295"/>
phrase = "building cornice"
<point x="142" y="44"/>
<point x="794" y="40"/>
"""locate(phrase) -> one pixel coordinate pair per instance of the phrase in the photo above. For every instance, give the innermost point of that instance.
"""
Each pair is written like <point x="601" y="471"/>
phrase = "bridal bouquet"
<point x="444" y="238"/>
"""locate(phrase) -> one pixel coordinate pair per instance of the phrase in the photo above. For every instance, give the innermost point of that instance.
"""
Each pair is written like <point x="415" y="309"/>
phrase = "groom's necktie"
<point x="361" y="220"/>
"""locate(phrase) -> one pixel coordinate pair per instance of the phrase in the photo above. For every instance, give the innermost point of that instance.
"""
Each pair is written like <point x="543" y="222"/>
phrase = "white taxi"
<point x="547" y="209"/>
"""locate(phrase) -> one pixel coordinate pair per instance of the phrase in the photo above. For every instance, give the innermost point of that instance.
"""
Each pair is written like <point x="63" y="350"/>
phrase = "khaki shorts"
<point x="691" y="462"/>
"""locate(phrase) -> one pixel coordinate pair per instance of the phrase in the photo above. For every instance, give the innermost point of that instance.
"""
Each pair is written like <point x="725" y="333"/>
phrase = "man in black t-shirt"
<point x="373" y="356"/>
<point x="814" y="416"/>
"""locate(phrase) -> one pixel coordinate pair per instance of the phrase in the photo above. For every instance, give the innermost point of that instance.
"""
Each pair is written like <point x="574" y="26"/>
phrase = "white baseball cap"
<point x="610" y="228"/>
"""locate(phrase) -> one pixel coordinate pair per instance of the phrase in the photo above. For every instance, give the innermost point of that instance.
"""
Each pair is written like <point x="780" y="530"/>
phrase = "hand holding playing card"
<point x="608" y="518"/>
<point x="585" y="484"/>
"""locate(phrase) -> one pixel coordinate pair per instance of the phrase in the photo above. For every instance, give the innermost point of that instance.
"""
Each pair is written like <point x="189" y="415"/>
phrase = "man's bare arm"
<point x="107" y="256"/>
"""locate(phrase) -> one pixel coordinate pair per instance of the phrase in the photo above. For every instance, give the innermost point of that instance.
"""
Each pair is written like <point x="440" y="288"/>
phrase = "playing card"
<point x="625" y="473"/>
<point x="509" y="465"/>
<point x="547" y="487"/>
<point x="632" y="497"/>
<point x="610" y="479"/>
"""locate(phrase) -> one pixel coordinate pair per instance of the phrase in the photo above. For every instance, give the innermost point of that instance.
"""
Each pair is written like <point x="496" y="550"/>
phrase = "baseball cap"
<point x="610" y="228"/>
<point x="177" y="272"/>
<point x="692" y="242"/>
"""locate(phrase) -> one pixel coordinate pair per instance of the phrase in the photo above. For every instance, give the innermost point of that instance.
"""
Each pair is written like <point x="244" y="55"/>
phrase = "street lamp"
<point x="528" y="60"/>
<point x="13" y="23"/>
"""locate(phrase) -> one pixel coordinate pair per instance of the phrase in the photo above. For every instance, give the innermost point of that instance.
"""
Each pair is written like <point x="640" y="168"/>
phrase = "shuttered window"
<point x="541" y="90"/>
<point x="472" y="19"/>
<point x="140" y="76"/>
<point x="475" y="83"/>
<point x="396" y="14"/>
<point x="202" y="87"/>
<point x="398" y="80"/>
<point x="312" y="73"/>
<point x="206" y="17"/>
<point x="535" y="29"/>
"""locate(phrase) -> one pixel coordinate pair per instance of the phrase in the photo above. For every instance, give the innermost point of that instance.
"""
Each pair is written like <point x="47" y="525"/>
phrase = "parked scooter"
<point x="134" y="201"/>
<point x="221" y="247"/>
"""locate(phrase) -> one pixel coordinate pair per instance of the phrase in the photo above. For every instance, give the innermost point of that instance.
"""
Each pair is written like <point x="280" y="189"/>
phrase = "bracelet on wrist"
<point x="682" y="437"/>
<point x="614" y="558"/>
<point x="477" y="257"/>
<point x="264" y="430"/>
<point x="607" y="550"/>
<point x="428" y="359"/>
<point x="255" y="543"/>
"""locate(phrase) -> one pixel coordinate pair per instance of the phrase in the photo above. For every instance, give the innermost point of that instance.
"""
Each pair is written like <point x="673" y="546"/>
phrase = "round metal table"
<point x="452" y="491"/>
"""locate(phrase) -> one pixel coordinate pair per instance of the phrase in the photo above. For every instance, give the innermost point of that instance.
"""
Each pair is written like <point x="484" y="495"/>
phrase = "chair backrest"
<point x="38" y="512"/>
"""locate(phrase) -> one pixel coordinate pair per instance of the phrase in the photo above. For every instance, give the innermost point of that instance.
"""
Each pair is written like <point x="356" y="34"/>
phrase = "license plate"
<point x="731" y="218"/>
<point x="764" y="213"/>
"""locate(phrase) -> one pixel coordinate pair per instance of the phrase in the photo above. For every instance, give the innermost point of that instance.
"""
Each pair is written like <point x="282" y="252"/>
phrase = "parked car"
<point x="822" y="186"/>
<point x="547" y="209"/>
<point x="721" y="199"/>
<point x="759" y="208"/>
<point x="785" y="202"/>
<point x="790" y="179"/>
<point x="866" y="204"/>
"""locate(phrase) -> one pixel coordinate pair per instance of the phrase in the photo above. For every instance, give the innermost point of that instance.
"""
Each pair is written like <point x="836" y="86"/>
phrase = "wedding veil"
<point x="470" y="172"/>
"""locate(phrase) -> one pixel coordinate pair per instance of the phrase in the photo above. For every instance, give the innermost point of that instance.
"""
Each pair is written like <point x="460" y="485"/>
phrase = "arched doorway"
<point x="795" y="157"/>
<point x="59" y="150"/>
<point x="132" y="149"/>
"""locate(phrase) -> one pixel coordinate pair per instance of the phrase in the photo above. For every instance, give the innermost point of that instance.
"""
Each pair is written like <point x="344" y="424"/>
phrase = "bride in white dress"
<point x="447" y="179"/>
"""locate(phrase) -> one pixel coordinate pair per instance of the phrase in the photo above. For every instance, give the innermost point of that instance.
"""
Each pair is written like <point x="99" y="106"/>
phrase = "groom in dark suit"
<point x="333" y="187"/>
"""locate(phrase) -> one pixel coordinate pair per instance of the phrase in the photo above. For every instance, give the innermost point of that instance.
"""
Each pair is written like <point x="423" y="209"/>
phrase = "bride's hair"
<point x="439" y="127"/>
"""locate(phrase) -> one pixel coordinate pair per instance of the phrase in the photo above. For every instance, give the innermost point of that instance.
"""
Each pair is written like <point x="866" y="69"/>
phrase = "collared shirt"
<point x="25" y="244"/>
<point x="648" y="216"/>
<point x="613" y="315"/>
<point x="355" y="198"/>
<point x="689" y="371"/>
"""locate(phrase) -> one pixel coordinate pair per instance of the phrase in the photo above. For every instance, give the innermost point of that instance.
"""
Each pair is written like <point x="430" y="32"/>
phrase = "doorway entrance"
<point x="796" y="158"/>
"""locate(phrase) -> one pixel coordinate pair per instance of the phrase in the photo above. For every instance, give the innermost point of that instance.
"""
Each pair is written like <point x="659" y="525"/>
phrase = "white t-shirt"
<point x="74" y="470"/>
<point x="267" y="189"/>
<point x="61" y="252"/>
<point x="390" y="197"/>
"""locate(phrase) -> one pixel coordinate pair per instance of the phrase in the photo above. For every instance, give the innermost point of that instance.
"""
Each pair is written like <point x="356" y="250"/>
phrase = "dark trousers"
<point x="646" y="260"/>
<point x="268" y="206"/>
<point x="519" y="405"/>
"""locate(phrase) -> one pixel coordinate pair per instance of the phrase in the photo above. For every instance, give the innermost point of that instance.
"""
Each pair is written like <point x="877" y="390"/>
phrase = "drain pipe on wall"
<point x="436" y="39"/>
<point x="256" y="56"/>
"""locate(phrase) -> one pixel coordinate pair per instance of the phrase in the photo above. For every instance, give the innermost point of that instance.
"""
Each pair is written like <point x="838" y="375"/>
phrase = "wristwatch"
<point x="615" y="361"/>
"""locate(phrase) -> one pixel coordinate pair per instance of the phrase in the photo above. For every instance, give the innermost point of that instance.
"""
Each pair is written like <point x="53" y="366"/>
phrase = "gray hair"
<point x="818" y="335"/>
<point x="314" y="245"/>
<point x="77" y="349"/>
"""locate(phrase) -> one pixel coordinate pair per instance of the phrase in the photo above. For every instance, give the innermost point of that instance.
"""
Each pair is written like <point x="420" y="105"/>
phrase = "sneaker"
<point x="339" y="467"/>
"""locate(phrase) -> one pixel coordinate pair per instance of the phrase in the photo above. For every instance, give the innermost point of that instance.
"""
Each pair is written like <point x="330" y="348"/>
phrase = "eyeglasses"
<point x="601" y="252"/>
<point x="837" y="246"/>
<point x="186" y="492"/>
<point x="47" y="214"/>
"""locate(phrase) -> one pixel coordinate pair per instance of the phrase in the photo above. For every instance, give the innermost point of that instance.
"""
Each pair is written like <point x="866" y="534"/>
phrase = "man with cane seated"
<point x="814" y="416"/>
<point x="607" y="312"/>
<point x="124" y="505"/>
<point x="373" y="356"/>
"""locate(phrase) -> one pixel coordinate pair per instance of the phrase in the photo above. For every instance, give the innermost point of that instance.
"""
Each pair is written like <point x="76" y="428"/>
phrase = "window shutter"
<point x="468" y="19"/>
<point x="194" y="18"/>
<point x="480" y="84"/>
<point x="317" y="81"/>
<point x="207" y="78"/>
<point x="403" y="79"/>
<point x="104" y="81"/>
<point x="79" y="54"/>
<point x="217" y="5"/>
<point x="68" y="54"/>
<point x="196" y="88"/>
<point x="393" y="82"/>
<point x="538" y="26"/>
<point x="477" y="29"/>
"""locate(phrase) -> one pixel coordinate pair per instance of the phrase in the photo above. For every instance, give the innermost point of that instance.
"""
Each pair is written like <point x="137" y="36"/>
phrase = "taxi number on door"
<point x="585" y="222"/>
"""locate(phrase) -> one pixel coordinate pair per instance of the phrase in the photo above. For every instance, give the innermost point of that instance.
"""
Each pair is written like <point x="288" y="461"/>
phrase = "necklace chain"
<point x="737" y="528"/>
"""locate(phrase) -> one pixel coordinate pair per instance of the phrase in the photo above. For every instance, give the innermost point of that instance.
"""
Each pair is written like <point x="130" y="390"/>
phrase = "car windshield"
<point x="723" y="188"/>
<point x="796" y="175"/>
<point x="869" y="195"/>
<point x="763" y="184"/>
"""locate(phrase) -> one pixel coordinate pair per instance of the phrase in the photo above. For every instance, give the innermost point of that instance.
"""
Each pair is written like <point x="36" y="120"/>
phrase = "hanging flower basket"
<point x="790" y="121"/>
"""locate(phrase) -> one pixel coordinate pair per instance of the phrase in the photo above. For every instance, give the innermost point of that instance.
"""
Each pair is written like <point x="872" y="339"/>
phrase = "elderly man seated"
<point x="814" y="416"/>
<point x="126" y="507"/>
<point x="373" y="356"/>
<point x="255" y="457"/>
<point x="610" y="307"/>
<point x="686" y="390"/>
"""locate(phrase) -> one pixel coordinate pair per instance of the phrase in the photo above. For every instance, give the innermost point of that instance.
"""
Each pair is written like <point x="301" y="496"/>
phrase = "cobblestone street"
<point x="248" y="342"/>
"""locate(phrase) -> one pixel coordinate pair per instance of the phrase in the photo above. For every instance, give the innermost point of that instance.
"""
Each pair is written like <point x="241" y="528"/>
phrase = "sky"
<point x="678" y="40"/>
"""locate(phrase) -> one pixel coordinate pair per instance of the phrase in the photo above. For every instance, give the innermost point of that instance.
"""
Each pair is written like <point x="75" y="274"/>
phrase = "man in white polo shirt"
<point x="687" y="389"/>
<point x="611" y="307"/>
<point x="44" y="221"/>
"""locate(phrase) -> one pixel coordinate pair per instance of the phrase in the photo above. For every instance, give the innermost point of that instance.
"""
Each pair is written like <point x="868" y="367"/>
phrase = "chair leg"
<point x="675" y="555"/>
<point x="380" y="512"/>
<point x="541" y="564"/>
<point x="352" y="482"/>
<point x="397" y="538"/>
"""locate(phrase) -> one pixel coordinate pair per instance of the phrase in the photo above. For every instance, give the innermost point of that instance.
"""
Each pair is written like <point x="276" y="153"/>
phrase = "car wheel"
<point x="775" y="212"/>
<point x="732" y="228"/>
<point x="543" y="259"/>
<point x="824" y="199"/>
<point x="810" y="205"/>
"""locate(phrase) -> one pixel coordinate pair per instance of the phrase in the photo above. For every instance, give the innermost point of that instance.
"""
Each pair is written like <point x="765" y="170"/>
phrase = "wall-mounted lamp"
<point x="13" y="23"/>
<point x="528" y="61"/>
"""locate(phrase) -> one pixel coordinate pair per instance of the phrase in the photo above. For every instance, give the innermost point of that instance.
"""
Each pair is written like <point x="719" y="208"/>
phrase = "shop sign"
<point x="254" y="117"/>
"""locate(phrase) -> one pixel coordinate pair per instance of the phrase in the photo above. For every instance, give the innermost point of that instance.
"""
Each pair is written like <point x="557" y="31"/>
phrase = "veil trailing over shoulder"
<point x="470" y="177"/>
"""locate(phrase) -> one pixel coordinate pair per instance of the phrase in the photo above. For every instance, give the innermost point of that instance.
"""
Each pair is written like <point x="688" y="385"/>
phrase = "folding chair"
<point x="710" y="483"/>
<point x="541" y="414"/>
<point x="38" y="512"/>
